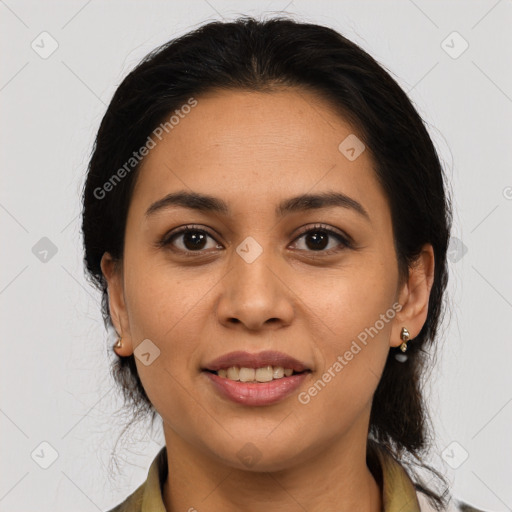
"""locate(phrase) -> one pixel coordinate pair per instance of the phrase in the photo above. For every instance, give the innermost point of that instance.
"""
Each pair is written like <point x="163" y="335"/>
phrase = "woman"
<point x="265" y="215"/>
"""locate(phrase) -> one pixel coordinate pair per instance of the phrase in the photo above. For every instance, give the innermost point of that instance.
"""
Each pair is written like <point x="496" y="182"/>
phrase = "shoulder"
<point x="148" y="496"/>
<point x="455" y="505"/>
<point x="133" y="503"/>
<point x="466" y="507"/>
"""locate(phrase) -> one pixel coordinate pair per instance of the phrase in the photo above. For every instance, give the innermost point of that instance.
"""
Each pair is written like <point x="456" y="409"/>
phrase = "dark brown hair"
<point x="262" y="56"/>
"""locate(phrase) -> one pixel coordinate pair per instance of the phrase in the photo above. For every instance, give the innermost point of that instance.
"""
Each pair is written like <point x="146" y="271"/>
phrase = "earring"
<point x="118" y="343"/>
<point x="404" y="336"/>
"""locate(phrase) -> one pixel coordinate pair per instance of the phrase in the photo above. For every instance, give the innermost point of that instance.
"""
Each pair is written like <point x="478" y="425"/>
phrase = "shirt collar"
<point x="398" y="492"/>
<point x="152" y="500"/>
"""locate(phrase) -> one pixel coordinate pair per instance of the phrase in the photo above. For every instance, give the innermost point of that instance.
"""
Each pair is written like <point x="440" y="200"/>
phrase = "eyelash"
<point x="168" y="238"/>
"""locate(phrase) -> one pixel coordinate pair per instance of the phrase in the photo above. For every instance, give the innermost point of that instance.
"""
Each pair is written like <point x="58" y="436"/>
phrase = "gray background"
<point x="55" y="382"/>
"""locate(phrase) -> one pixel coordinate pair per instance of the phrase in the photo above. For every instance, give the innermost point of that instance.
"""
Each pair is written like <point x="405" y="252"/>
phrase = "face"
<point x="316" y="282"/>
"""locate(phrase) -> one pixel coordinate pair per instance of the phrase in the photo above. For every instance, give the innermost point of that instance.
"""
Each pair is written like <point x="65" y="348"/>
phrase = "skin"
<point x="253" y="150"/>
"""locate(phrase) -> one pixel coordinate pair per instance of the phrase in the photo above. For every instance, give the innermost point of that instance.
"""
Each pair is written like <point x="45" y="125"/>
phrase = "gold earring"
<point x="118" y="343"/>
<point x="404" y="336"/>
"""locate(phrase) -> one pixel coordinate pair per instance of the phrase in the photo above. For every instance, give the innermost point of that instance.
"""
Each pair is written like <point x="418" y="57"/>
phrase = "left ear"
<point x="414" y="296"/>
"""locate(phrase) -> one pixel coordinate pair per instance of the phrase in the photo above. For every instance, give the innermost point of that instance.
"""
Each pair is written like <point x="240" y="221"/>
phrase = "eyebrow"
<point x="207" y="203"/>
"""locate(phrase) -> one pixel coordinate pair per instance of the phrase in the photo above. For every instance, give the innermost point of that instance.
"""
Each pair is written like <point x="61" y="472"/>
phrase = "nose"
<point x="256" y="294"/>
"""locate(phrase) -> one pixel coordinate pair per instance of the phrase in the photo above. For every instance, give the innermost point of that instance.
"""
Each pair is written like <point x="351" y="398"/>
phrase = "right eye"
<point x="192" y="240"/>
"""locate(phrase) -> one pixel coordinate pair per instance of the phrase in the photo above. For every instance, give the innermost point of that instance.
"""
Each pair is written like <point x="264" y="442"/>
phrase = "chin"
<point x="258" y="454"/>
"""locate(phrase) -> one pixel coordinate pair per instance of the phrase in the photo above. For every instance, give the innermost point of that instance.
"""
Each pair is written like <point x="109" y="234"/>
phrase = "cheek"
<point x="354" y="345"/>
<point x="352" y="299"/>
<point x="167" y="310"/>
<point x="356" y="317"/>
<point x="163" y="300"/>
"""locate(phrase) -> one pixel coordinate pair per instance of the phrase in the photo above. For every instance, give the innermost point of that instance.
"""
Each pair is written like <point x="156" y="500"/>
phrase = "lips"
<point x="255" y="394"/>
<point x="258" y="379"/>
<point x="259" y="360"/>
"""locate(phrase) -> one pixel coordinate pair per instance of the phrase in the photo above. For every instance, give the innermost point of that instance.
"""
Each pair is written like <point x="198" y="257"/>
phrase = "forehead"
<point x="257" y="145"/>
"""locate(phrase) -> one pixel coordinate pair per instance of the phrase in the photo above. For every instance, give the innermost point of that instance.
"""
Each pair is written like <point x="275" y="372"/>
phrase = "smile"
<point x="263" y="374"/>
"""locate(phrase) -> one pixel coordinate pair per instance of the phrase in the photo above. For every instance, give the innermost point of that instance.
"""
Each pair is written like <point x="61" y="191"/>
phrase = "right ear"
<point x="113" y="272"/>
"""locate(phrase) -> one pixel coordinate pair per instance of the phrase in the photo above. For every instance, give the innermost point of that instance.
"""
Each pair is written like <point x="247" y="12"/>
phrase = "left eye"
<point x="317" y="239"/>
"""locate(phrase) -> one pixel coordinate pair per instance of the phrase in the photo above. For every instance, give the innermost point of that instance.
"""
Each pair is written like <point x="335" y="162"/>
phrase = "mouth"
<point x="263" y="374"/>
<point x="256" y="379"/>
<point x="260" y="367"/>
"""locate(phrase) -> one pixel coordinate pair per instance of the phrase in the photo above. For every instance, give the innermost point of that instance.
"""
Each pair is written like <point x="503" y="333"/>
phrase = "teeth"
<point x="278" y="372"/>
<point x="246" y="374"/>
<point x="233" y="373"/>
<point x="264" y="374"/>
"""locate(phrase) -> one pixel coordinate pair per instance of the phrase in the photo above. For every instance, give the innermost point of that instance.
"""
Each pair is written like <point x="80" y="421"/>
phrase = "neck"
<point x="336" y="479"/>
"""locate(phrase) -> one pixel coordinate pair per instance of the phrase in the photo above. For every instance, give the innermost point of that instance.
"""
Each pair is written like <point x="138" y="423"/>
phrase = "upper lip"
<point x="248" y="360"/>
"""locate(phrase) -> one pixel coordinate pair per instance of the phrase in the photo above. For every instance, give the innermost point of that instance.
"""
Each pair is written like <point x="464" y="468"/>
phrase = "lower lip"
<point x="256" y="393"/>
